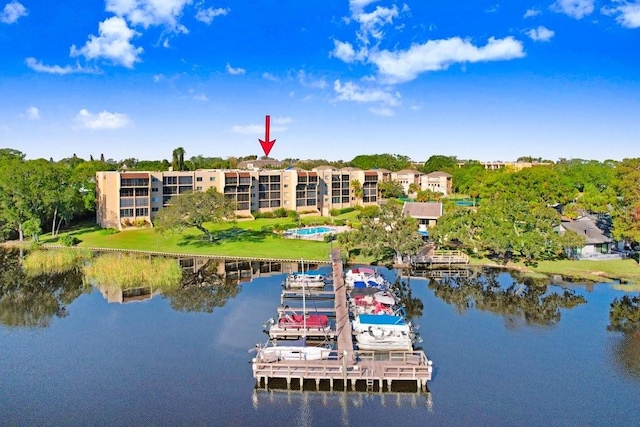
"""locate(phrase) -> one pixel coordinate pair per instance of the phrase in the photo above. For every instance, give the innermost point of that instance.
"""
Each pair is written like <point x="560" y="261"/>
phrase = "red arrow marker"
<point x="267" y="145"/>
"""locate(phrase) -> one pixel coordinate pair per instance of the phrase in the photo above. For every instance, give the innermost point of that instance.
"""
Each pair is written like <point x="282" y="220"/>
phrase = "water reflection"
<point x="627" y="354"/>
<point x="33" y="301"/>
<point x="306" y="399"/>
<point x="519" y="299"/>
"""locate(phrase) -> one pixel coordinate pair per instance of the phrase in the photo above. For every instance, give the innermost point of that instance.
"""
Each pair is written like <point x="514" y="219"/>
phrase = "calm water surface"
<point x="145" y="363"/>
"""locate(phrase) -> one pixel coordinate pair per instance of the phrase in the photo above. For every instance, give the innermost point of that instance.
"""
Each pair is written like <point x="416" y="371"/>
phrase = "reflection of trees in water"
<point x="525" y="299"/>
<point x="624" y="316"/>
<point x="203" y="290"/>
<point x="627" y="354"/>
<point x="413" y="306"/>
<point x="33" y="301"/>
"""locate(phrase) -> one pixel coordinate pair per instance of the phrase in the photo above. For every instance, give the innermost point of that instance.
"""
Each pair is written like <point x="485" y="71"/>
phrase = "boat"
<point x="292" y="350"/>
<point x="384" y="332"/>
<point x="381" y="302"/>
<point x="364" y="274"/>
<point x="396" y="322"/>
<point x="294" y="325"/>
<point x="379" y="338"/>
<point x="306" y="280"/>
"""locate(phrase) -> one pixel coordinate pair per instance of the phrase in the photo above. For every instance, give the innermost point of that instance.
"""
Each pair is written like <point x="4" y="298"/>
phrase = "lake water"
<point x="499" y="358"/>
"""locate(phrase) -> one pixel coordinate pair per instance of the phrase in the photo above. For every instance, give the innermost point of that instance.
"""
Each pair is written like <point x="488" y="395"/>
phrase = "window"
<point x="198" y="179"/>
<point x="154" y="209"/>
<point x="126" y="213"/>
<point x="142" y="211"/>
<point x="185" y="180"/>
<point x="154" y="190"/>
<point x="212" y="178"/>
<point x="199" y="188"/>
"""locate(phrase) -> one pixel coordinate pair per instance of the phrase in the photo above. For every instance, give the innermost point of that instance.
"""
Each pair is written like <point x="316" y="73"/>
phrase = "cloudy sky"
<point x="485" y="80"/>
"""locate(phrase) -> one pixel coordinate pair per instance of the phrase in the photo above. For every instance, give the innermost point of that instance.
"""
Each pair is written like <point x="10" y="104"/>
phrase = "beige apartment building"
<point x="125" y="198"/>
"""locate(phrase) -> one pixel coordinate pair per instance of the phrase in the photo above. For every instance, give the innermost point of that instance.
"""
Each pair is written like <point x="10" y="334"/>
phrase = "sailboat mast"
<point x="304" y="303"/>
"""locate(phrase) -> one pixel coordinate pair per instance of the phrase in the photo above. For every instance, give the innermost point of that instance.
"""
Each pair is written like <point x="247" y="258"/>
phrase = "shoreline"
<point x="588" y="274"/>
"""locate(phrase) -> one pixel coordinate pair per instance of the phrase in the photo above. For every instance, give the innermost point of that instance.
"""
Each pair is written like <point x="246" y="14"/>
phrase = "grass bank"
<point x="626" y="270"/>
<point x="252" y="239"/>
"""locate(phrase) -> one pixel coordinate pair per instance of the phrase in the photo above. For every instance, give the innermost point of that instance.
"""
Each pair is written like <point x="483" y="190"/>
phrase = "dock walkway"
<point x="346" y="366"/>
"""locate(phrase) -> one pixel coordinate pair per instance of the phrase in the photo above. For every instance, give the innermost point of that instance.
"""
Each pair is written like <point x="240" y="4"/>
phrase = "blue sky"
<point x="485" y="80"/>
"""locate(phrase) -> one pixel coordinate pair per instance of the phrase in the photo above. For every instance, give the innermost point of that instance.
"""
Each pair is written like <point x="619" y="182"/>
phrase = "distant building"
<point x="516" y="166"/>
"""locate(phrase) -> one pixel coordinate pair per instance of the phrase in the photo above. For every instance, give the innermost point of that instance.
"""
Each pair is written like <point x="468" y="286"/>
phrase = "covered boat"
<point x="304" y="280"/>
<point x="292" y="350"/>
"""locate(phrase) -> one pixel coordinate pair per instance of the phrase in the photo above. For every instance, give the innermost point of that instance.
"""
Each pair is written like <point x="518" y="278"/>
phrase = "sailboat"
<point x="295" y="350"/>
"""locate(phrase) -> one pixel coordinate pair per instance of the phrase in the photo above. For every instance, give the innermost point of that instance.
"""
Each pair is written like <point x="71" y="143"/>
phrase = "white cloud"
<point x="248" y="129"/>
<point x="38" y="66"/>
<point x="207" y="15"/>
<point x="278" y="124"/>
<point x="435" y="55"/>
<point x="33" y="113"/>
<point x="371" y="23"/>
<point x="235" y="71"/>
<point x="157" y="78"/>
<point x="350" y="91"/>
<point x="382" y="111"/>
<point x="541" y="34"/>
<point x="102" y="120"/>
<point x="530" y="13"/>
<point x="628" y="14"/>
<point x="311" y="82"/>
<point x="281" y="120"/>
<point x="12" y="12"/>
<point x="343" y="51"/>
<point x="575" y="8"/>
<point x="113" y="43"/>
<point x="150" y="12"/>
<point x="200" y="97"/>
<point x="269" y="76"/>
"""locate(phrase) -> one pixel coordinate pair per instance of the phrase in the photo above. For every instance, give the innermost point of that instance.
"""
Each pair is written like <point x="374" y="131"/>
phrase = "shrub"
<point x="141" y="222"/>
<point x="339" y="222"/>
<point x="280" y="213"/>
<point x="293" y="215"/>
<point x="334" y="212"/>
<point x="69" y="240"/>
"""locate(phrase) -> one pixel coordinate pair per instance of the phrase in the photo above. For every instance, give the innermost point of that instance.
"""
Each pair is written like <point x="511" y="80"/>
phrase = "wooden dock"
<point x="345" y="366"/>
<point x="439" y="258"/>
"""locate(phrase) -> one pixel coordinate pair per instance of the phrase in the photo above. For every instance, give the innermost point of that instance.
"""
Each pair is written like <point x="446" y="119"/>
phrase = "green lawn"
<point x="242" y="239"/>
<point x="600" y="271"/>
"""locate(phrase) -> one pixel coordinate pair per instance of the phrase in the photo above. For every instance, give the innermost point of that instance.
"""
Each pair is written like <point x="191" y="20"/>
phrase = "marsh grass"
<point x="130" y="270"/>
<point x="54" y="261"/>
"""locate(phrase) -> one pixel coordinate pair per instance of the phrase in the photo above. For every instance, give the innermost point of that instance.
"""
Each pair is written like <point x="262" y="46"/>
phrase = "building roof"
<point x="409" y="171"/>
<point x="423" y="209"/>
<point x="586" y="227"/>
<point x="439" y="173"/>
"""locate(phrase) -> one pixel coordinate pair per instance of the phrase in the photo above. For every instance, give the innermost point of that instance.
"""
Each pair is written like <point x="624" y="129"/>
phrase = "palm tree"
<point x="357" y="189"/>
<point x="178" y="159"/>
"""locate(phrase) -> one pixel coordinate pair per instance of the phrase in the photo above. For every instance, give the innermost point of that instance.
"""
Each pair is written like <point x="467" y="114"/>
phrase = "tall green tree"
<point x="194" y="209"/>
<point x="440" y="163"/>
<point x="358" y="191"/>
<point x="177" y="159"/>
<point x="390" y="189"/>
<point x="390" y="232"/>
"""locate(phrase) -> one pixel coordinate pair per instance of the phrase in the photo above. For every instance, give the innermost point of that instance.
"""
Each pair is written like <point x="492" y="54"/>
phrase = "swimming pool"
<point x="310" y="231"/>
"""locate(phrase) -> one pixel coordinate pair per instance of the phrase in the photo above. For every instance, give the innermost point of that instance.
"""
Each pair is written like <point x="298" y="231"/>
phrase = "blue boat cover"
<point x="381" y="319"/>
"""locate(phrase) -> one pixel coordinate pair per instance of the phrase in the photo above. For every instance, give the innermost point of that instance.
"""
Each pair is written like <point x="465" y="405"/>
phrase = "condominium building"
<point x="128" y="198"/>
